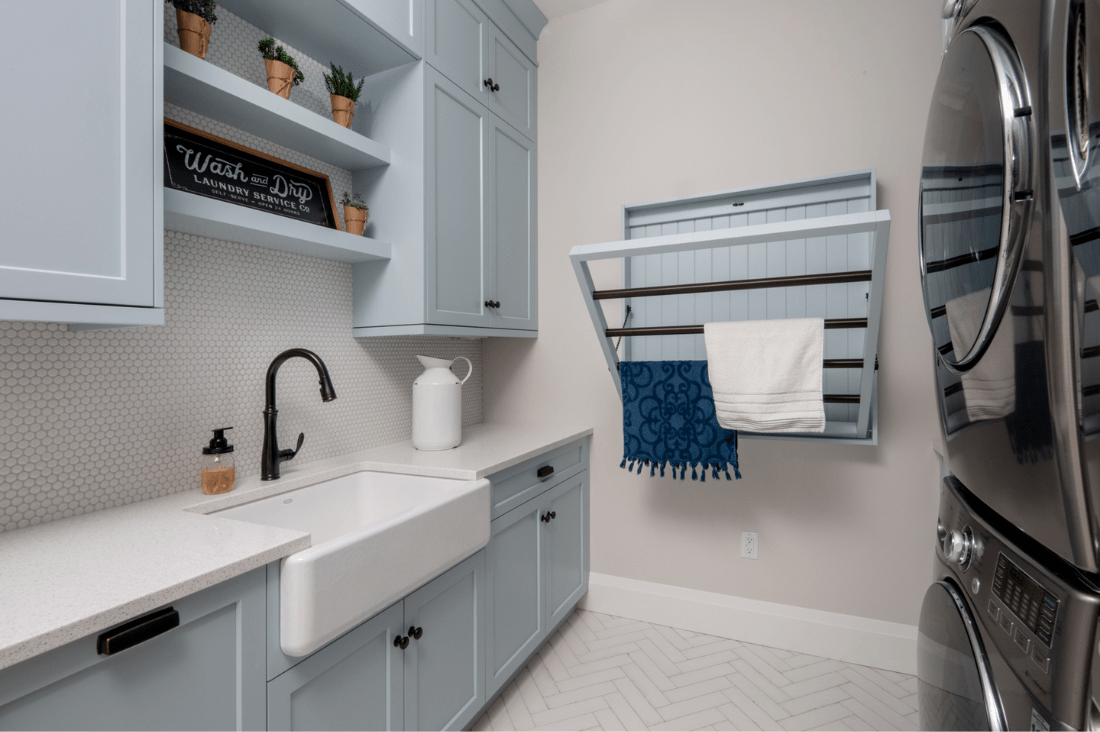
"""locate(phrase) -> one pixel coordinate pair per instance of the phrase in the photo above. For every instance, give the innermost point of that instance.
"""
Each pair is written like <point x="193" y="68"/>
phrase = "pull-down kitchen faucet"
<point x="272" y="455"/>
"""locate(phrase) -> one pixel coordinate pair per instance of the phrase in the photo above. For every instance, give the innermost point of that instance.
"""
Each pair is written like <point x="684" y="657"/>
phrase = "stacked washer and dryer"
<point x="1010" y="268"/>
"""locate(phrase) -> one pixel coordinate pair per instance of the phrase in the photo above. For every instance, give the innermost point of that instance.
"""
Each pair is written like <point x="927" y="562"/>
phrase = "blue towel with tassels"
<point x="668" y="419"/>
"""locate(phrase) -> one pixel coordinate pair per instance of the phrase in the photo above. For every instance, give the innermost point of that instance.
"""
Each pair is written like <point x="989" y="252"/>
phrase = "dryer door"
<point x="975" y="209"/>
<point x="955" y="686"/>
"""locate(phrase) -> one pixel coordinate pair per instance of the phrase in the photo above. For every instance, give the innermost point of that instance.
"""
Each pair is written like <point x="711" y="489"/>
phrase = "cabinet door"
<point x="80" y="198"/>
<point x="457" y="137"/>
<point x="355" y="682"/>
<point x="514" y="270"/>
<point x="443" y="668"/>
<point x="208" y="673"/>
<point x="457" y="44"/>
<point x="516" y="607"/>
<point x="567" y="547"/>
<point x="513" y="96"/>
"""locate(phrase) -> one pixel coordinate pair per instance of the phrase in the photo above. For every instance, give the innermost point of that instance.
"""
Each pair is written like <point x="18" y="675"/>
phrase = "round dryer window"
<point x="975" y="192"/>
<point x="954" y="685"/>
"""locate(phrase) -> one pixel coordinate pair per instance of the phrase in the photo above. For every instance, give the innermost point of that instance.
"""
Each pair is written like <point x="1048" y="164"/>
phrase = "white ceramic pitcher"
<point x="437" y="405"/>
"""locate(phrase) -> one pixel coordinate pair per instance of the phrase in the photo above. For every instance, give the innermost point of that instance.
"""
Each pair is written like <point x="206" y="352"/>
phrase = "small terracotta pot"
<point x="343" y="109"/>
<point x="280" y="77"/>
<point x="194" y="33"/>
<point x="355" y="219"/>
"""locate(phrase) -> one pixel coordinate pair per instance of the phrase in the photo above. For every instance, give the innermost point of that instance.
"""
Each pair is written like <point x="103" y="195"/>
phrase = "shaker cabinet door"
<point x="567" y="547"/>
<point x="457" y="41"/>
<point x="514" y="260"/>
<point x="355" y="682"/>
<point x="443" y="667"/>
<point x="516" y="607"/>
<point x="80" y="197"/>
<point x="514" y="85"/>
<point x="456" y="252"/>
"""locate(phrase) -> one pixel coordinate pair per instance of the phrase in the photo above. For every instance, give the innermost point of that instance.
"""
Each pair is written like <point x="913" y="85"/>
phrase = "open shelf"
<point x="202" y="87"/>
<point x="325" y="31"/>
<point x="203" y="216"/>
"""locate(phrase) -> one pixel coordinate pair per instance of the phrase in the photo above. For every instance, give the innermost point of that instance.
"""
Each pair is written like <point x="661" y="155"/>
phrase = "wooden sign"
<point x="200" y="163"/>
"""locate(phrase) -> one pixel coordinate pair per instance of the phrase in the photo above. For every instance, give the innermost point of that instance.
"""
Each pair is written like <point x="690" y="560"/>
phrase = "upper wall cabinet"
<point x="472" y="52"/>
<point x="463" y="182"/>
<point x="80" y="198"/>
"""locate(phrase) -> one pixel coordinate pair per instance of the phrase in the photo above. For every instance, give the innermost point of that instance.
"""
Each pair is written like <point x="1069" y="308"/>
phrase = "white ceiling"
<point x="555" y="8"/>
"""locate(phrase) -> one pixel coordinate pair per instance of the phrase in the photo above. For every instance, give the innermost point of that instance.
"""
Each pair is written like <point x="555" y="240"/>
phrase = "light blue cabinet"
<point x="356" y="682"/>
<point x="80" y="203"/>
<point x="513" y="254"/>
<point x="443" y="666"/>
<point x="513" y="93"/>
<point x="206" y="674"/>
<point x="517" y="604"/>
<point x="537" y="561"/>
<point x="458" y="37"/>
<point x="457" y="247"/>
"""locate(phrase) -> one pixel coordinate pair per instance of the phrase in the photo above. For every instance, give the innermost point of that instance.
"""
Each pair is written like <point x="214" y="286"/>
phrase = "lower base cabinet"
<point x="205" y="674"/>
<point x="366" y="680"/>
<point x="537" y="573"/>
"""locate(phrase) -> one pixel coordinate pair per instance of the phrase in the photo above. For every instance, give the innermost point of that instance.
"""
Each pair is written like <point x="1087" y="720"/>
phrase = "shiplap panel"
<point x="771" y="259"/>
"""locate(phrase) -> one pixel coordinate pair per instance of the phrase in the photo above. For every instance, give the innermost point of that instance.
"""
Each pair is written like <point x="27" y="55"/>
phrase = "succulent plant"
<point x="355" y="201"/>
<point x="202" y="8"/>
<point x="270" y="51"/>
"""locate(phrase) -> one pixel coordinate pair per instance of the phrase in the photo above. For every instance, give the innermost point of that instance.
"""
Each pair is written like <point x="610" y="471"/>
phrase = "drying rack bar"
<point x="665" y="330"/>
<point x="696" y="288"/>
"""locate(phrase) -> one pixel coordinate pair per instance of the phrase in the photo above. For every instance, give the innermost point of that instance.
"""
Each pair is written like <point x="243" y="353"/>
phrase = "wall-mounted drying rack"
<point x="808" y="248"/>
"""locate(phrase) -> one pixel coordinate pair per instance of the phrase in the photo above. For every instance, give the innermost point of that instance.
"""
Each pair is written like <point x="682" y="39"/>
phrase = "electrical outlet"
<point x="750" y="545"/>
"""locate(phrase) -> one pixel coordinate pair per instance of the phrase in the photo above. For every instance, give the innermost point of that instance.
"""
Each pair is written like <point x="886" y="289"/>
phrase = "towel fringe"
<point x="698" y="470"/>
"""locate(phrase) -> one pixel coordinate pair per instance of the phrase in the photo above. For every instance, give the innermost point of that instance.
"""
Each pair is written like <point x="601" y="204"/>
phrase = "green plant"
<point x="343" y="85"/>
<point x="355" y="201"/>
<point x="202" y="8"/>
<point x="270" y="51"/>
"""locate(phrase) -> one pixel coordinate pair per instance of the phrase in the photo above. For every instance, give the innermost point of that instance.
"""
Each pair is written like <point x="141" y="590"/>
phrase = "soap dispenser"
<point x="216" y="469"/>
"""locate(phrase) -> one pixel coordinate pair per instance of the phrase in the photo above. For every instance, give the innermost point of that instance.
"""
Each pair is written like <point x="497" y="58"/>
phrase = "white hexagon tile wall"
<point x="95" y="419"/>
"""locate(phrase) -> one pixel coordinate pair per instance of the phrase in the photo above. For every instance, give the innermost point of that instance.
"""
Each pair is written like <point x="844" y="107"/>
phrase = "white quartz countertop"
<point x="67" y="579"/>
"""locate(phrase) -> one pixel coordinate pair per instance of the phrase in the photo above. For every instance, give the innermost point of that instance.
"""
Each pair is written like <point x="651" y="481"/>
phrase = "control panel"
<point x="1026" y="599"/>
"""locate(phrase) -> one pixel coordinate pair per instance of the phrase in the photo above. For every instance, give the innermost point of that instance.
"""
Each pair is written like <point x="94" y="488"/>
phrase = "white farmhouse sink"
<point x="375" y="538"/>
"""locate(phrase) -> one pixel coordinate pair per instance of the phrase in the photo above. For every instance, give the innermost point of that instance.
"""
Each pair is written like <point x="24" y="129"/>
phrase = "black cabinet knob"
<point x="489" y="83"/>
<point x="401" y="641"/>
<point x="544" y="472"/>
<point x="553" y="515"/>
<point x="496" y="304"/>
<point x="416" y="633"/>
<point x="492" y="303"/>
<point x="545" y="518"/>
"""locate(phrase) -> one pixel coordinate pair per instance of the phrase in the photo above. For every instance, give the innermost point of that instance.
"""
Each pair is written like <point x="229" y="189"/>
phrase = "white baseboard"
<point x="877" y="643"/>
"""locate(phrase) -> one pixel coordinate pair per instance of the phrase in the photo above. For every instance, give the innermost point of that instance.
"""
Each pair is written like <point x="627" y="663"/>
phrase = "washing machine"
<point x="997" y="286"/>
<point x="1007" y="630"/>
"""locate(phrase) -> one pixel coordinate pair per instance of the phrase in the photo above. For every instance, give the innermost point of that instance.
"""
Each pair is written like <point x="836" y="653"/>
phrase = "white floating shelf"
<point x="210" y="217"/>
<point x="202" y="87"/>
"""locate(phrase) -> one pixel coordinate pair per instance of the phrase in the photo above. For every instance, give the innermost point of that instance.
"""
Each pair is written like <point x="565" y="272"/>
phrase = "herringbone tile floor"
<point x="601" y="672"/>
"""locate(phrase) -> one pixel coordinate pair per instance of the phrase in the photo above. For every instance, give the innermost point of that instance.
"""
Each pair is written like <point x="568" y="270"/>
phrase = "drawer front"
<point x="517" y="484"/>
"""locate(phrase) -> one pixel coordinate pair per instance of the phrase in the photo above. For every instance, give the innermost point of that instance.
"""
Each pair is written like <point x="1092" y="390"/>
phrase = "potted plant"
<point x="282" y="70"/>
<point x="355" y="213"/>
<point x="343" y="93"/>
<point x="194" y="19"/>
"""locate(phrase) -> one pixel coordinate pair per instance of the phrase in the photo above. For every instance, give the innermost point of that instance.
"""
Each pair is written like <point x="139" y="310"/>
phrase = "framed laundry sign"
<point x="200" y="163"/>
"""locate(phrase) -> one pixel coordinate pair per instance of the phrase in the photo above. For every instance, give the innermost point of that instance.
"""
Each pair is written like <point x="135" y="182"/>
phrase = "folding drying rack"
<point x="808" y="248"/>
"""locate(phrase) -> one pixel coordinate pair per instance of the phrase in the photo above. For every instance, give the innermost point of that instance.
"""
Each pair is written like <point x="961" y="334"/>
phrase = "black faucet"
<point x="272" y="455"/>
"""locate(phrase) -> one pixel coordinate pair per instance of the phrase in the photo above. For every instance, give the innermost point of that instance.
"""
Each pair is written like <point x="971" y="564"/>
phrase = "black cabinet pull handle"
<point x="137" y="631"/>
<point x="416" y="633"/>
<point x="401" y="641"/>
<point x="544" y="472"/>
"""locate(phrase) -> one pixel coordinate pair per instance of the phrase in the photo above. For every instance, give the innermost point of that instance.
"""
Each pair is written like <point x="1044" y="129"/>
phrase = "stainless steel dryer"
<point x="1006" y="631"/>
<point x="992" y="281"/>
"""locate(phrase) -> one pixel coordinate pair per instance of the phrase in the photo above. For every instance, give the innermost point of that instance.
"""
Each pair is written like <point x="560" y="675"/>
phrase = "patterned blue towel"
<point x="668" y="419"/>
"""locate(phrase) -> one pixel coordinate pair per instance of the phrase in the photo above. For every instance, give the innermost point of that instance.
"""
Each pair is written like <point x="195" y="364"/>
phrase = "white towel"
<point x="990" y="387"/>
<point x="766" y="375"/>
